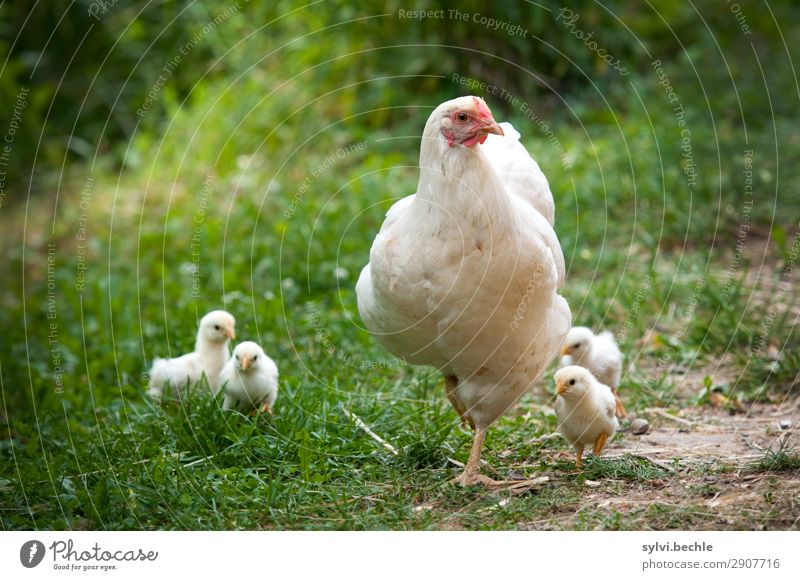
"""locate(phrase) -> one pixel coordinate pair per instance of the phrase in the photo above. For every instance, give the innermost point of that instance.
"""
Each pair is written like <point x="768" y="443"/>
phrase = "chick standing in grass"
<point x="600" y="354"/>
<point x="250" y="379"/>
<point x="585" y="410"/>
<point x="209" y="356"/>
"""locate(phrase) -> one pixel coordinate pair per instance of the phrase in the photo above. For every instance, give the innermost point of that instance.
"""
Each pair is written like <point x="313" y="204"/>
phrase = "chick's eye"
<point x="216" y="327"/>
<point x="572" y="381"/>
<point x="462" y="117"/>
<point x="576" y="345"/>
<point x="255" y="356"/>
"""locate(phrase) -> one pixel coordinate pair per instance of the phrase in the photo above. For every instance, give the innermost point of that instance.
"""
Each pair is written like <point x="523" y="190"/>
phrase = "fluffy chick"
<point x="585" y="410"/>
<point x="250" y="379"/>
<point x="209" y="356"/>
<point x="600" y="354"/>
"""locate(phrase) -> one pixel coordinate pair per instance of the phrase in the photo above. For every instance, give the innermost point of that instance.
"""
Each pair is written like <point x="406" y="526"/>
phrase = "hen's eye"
<point x="572" y="381"/>
<point x="462" y="117"/>
<point x="216" y="327"/>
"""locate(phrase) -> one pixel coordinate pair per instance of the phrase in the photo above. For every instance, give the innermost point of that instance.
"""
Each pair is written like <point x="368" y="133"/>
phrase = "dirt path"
<point x="715" y="473"/>
<point x="713" y="435"/>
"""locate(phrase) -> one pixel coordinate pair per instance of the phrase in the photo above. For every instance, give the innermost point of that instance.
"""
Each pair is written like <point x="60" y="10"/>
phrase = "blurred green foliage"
<point x="90" y="69"/>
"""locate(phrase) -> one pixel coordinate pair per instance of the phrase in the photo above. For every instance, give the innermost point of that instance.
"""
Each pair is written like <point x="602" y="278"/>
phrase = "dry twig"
<point x="363" y="426"/>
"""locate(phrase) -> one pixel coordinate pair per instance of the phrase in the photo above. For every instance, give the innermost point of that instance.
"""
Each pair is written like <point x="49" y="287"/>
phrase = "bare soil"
<point x="714" y="474"/>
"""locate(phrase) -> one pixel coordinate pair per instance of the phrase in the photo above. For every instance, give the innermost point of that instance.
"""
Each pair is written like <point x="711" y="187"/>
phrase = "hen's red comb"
<point x="483" y="110"/>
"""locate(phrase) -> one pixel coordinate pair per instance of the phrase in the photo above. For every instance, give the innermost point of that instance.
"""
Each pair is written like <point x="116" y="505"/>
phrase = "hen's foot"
<point x="465" y="479"/>
<point x="513" y="485"/>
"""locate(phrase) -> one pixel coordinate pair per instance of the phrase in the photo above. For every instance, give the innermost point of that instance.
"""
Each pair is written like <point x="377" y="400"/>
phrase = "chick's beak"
<point x="229" y="332"/>
<point x="561" y="388"/>
<point x="566" y="350"/>
<point x="245" y="363"/>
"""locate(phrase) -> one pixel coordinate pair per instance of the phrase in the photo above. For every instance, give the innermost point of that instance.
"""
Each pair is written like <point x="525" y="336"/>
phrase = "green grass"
<point x="99" y="455"/>
<point x="647" y="259"/>
<point x="784" y="458"/>
<point x="626" y="467"/>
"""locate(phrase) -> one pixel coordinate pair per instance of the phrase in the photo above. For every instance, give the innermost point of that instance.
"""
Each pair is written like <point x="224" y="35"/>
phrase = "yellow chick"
<point x="585" y="409"/>
<point x="250" y="379"/>
<point x="600" y="354"/>
<point x="175" y="375"/>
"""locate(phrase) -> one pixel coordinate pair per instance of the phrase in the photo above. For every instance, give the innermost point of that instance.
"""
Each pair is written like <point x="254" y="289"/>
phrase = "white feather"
<point x="519" y="171"/>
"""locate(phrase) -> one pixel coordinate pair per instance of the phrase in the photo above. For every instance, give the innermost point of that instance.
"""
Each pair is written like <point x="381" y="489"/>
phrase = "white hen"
<point x="250" y="379"/>
<point x="600" y="354"/>
<point x="209" y="356"/>
<point x="463" y="275"/>
<point x="585" y="410"/>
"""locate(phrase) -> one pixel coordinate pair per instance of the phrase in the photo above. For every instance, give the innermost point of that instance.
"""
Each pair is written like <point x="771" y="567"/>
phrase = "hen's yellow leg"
<point x="450" y="385"/>
<point x="579" y="458"/>
<point x="472" y="475"/>
<point x="472" y="471"/>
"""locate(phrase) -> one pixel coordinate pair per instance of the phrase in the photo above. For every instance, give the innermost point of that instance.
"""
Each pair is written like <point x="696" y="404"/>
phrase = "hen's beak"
<point x="229" y="332"/>
<point x="491" y="127"/>
<point x="245" y="362"/>
<point x="566" y="350"/>
<point x="561" y="388"/>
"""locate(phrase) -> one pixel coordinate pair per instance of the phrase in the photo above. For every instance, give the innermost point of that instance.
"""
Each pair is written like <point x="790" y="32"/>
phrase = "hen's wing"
<point x="518" y="171"/>
<point x="387" y="312"/>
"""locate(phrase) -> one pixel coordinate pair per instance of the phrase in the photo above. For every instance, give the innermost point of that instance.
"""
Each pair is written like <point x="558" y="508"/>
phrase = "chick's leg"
<point x="620" y="412"/>
<point x="600" y="443"/>
<point x="450" y="386"/>
<point x="261" y="408"/>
